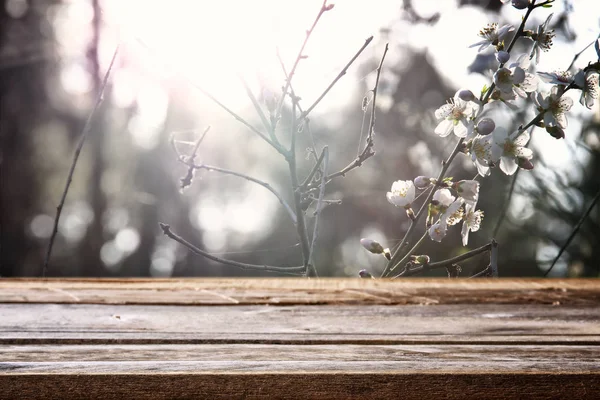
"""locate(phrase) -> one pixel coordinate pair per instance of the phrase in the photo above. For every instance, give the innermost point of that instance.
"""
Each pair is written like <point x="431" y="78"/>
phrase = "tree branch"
<point x="325" y="154"/>
<point x="83" y="136"/>
<point x="337" y="78"/>
<point x="253" y="267"/>
<point x="267" y="186"/>
<point x="574" y="232"/>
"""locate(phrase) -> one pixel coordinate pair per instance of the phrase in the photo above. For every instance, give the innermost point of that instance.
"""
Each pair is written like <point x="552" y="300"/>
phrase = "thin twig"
<point x="506" y="204"/>
<point x="83" y="135"/>
<point x="362" y="125"/>
<point x="301" y="223"/>
<point x="324" y="8"/>
<point x="306" y="121"/>
<point x="313" y="172"/>
<point x="267" y="125"/>
<point x="368" y="149"/>
<point x="581" y="52"/>
<point x="337" y="78"/>
<point x="319" y="205"/>
<point x="410" y="252"/>
<point x="574" y="232"/>
<point x="483" y="272"/>
<point x="254" y="267"/>
<point x="445" y="263"/>
<point x="267" y="186"/>
<point x="494" y="258"/>
<point x="189" y="160"/>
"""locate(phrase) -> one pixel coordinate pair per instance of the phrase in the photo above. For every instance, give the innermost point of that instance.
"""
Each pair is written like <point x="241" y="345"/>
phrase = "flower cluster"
<point x="485" y="141"/>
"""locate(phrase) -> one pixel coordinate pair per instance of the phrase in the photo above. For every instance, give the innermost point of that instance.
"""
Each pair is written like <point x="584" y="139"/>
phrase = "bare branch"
<point x="494" y="258"/>
<point x="325" y="154"/>
<point x="506" y="204"/>
<point x="337" y="78"/>
<point x="82" y="137"/>
<point x="368" y="149"/>
<point x="268" y="126"/>
<point x="324" y="8"/>
<point x="445" y="263"/>
<point x="251" y="179"/>
<point x="189" y="160"/>
<point x="313" y="172"/>
<point x="301" y="225"/>
<point x="253" y="267"/>
<point x="574" y="232"/>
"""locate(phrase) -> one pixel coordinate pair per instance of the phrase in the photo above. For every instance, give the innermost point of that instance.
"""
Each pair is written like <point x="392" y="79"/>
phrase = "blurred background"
<point x="54" y="54"/>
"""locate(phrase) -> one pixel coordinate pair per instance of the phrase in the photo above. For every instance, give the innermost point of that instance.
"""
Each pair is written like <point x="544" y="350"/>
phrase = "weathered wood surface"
<point x="300" y="291"/>
<point x="282" y="338"/>
<point x="369" y="324"/>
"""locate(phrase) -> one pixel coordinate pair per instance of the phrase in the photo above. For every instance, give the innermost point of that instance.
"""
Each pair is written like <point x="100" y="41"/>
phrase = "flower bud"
<point x="502" y="56"/>
<point x="466" y="95"/>
<point x="422" y="182"/>
<point x="485" y="126"/>
<point x="363" y="273"/>
<point x="556" y="131"/>
<point x="420" y="260"/>
<point x="520" y="4"/>
<point x="524" y="163"/>
<point x="375" y="248"/>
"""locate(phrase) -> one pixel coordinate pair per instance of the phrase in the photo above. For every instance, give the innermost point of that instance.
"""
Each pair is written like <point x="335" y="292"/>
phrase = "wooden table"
<point x="292" y="338"/>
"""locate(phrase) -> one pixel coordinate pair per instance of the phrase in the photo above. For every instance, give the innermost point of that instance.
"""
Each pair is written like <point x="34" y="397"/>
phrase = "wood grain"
<point x="81" y="359"/>
<point x="305" y="385"/>
<point x="296" y="338"/>
<point x="301" y="291"/>
<point x="370" y="324"/>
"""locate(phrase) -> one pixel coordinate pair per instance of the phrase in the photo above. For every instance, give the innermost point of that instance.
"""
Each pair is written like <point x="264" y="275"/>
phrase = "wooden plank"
<point x="304" y="385"/>
<point x="301" y="291"/>
<point x="106" y="358"/>
<point x="369" y="324"/>
<point x="310" y="339"/>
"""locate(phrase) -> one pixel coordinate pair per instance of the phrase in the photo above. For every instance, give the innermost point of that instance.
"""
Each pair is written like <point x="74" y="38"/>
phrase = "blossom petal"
<point x="464" y="232"/>
<point x="460" y="129"/>
<point x="508" y="165"/>
<point x="522" y="139"/>
<point x="561" y="120"/>
<point x="443" y="111"/>
<point x="444" y="128"/>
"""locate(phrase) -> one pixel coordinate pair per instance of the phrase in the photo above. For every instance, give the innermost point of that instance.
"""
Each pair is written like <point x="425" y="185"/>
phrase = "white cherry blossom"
<point x="438" y="230"/>
<point x="542" y="40"/>
<point x="555" y="106"/>
<point x="492" y="35"/>
<point x="457" y="115"/>
<point x="443" y="197"/>
<point x="510" y="148"/>
<point x="481" y="154"/>
<point x="557" y="77"/>
<point x="588" y="82"/>
<point x="402" y="193"/>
